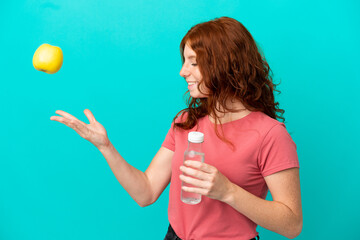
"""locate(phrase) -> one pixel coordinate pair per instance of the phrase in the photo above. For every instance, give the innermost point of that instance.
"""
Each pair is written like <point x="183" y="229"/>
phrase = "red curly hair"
<point x="232" y="68"/>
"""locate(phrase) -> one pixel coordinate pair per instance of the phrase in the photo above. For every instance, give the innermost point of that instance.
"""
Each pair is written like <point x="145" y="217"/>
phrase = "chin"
<point x="197" y="96"/>
<point x="195" y="93"/>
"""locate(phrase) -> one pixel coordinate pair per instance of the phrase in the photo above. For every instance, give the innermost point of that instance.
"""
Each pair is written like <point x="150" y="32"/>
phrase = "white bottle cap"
<point x="196" y="137"/>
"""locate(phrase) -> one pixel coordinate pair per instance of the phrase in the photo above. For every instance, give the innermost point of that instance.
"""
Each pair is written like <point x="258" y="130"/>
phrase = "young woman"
<point x="247" y="150"/>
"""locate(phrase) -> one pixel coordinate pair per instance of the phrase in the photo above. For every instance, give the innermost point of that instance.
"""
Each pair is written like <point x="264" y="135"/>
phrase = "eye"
<point x="194" y="64"/>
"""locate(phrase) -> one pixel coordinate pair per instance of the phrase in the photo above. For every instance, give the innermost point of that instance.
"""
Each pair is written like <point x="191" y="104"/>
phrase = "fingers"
<point x="89" y="115"/>
<point x="198" y="174"/>
<point x="69" y="120"/>
<point x="200" y="165"/>
<point x="75" y="124"/>
<point x="56" y="118"/>
<point x="195" y="182"/>
<point x="66" y="115"/>
<point x="201" y="191"/>
<point x="194" y="173"/>
<point x="87" y="112"/>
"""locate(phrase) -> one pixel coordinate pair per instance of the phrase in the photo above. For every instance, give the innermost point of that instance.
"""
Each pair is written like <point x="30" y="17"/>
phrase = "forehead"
<point x="189" y="53"/>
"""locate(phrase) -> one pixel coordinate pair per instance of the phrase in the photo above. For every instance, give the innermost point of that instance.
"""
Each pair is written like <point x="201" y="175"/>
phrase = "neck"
<point x="237" y="106"/>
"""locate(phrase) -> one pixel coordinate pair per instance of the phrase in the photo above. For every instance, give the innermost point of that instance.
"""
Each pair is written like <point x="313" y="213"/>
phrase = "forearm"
<point x="271" y="215"/>
<point x="134" y="181"/>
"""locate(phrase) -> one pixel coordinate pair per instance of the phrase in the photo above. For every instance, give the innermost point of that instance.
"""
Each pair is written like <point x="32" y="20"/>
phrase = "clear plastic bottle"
<point x="193" y="152"/>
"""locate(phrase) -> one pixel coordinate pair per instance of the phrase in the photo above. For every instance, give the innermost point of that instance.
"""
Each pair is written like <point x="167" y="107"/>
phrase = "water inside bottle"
<point x="187" y="197"/>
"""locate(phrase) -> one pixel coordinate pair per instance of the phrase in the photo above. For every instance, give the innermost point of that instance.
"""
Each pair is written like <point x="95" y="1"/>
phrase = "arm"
<point x="143" y="187"/>
<point x="282" y="215"/>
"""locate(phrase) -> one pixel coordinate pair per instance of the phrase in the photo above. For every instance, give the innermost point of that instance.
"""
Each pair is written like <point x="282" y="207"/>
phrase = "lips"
<point x="191" y="85"/>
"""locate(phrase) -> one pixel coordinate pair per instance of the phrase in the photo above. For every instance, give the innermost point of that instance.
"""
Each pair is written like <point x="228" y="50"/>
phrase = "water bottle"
<point x="193" y="152"/>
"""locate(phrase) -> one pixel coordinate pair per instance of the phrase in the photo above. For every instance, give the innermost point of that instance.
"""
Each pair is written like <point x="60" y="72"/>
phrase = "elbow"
<point x="296" y="230"/>
<point x="299" y="229"/>
<point x="145" y="202"/>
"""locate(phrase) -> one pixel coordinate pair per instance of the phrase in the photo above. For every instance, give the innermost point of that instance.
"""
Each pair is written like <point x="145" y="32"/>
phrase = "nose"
<point x="184" y="72"/>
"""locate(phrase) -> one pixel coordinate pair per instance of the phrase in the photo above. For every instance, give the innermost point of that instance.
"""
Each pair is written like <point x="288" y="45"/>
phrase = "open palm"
<point x="93" y="132"/>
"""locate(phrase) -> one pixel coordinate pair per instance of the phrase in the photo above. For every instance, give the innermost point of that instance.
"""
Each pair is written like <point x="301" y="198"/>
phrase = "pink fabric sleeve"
<point x="277" y="151"/>
<point x="169" y="141"/>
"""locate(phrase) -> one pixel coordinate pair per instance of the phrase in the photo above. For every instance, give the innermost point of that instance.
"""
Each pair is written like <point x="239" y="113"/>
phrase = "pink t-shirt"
<point x="263" y="147"/>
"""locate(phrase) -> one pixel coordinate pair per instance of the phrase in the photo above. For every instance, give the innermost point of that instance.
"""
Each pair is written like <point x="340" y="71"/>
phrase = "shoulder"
<point x="271" y="131"/>
<point x="264" y="123"/>
<point x="181" y="117"/>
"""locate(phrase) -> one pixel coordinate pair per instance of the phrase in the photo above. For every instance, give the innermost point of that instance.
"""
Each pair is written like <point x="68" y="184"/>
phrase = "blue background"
<point x="122" y="61"/>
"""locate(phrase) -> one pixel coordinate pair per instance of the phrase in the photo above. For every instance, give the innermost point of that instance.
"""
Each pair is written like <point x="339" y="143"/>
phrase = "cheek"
<point x="198" y="75"/>
<point x="204" y="90"/>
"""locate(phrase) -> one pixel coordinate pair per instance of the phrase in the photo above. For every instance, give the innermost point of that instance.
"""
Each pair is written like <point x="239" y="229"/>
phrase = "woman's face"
<point x="190" y="71"/>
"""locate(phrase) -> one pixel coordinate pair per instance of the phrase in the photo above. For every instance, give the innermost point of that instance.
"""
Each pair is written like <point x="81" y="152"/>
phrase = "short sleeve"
<point x="277" y="151"/>
<point x="169" y="141"/>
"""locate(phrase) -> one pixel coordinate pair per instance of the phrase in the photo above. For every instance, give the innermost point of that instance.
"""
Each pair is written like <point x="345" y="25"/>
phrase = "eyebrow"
<point x="192" y="57"/>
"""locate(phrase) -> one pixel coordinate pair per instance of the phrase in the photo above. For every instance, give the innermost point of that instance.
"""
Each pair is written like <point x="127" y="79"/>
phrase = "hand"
<point x="206" y="179"/>
<point x="93" y="132"/>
